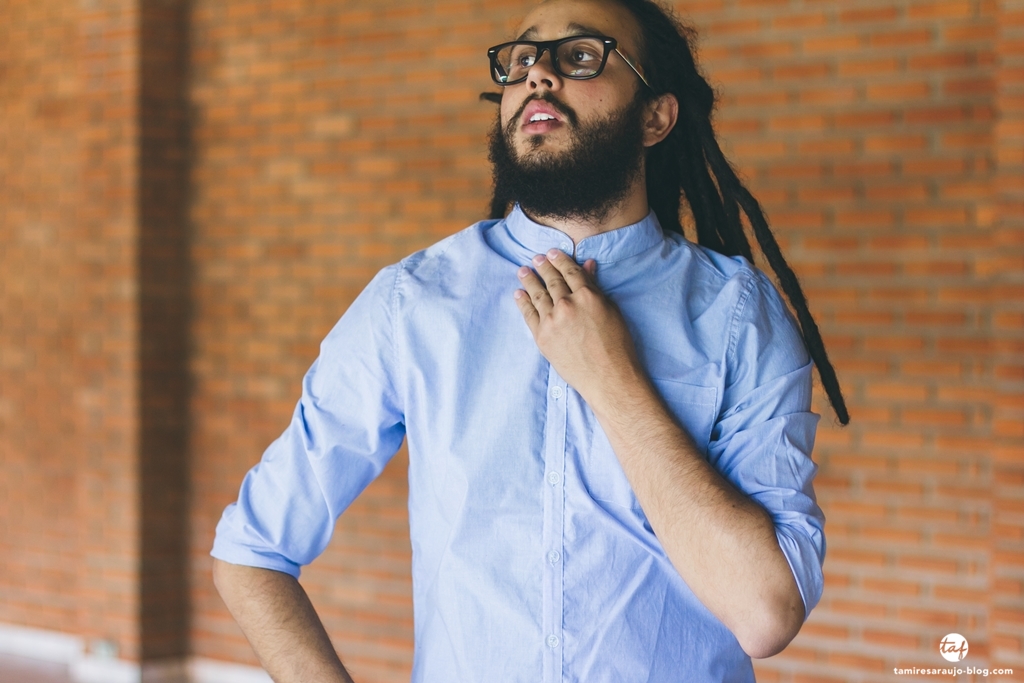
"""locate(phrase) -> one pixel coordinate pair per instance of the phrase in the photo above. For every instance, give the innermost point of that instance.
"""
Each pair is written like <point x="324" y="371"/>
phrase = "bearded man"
<point x="609" y="426"/>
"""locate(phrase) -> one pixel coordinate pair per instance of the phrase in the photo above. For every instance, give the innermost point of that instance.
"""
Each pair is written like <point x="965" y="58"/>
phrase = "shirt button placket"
<point x="554" y="508"/>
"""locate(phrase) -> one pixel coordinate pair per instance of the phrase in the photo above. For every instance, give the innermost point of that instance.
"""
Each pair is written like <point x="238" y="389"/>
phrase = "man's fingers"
<point x="539" y="296"/>
<point x="529" y="311"/>
<point x="562" y="276"/>
<point x="553" y="278"/>
<point x="571" y="273"/>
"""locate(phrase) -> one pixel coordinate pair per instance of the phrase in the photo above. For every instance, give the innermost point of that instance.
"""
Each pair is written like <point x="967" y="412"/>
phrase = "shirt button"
<point x="556" y="392"/>
<point x="566" y="247"/>
<point x="554" y="478"/>
<point x="552" y="641"/>
<point x="553" y="557"/>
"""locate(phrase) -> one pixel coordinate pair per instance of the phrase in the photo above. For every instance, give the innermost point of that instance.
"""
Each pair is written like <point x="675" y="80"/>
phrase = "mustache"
<point x="565" y="110"/>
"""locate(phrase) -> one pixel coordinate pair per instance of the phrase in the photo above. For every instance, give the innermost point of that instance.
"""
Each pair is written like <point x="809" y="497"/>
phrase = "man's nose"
<point x="543" y="72"/>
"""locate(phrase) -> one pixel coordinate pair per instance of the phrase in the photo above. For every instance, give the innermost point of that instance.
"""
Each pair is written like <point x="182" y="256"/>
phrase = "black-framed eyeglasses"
<point x="575" y="57"/>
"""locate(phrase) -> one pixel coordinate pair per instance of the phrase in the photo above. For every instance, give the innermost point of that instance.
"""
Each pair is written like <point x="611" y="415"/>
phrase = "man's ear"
<point x="661" y="115"/>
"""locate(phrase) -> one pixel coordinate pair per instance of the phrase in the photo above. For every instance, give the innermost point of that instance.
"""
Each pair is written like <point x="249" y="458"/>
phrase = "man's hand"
<point x="721" y="542"/>
<point x="578" y="329"/>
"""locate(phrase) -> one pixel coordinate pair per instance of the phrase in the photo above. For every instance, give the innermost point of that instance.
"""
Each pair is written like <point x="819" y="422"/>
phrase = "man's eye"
<point x="526" y="61"/>
<point x="583" y="56"/>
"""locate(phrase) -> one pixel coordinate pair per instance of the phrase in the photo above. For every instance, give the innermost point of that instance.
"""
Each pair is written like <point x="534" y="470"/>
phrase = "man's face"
<point x="587" y="153"/>
<point x="571" y="102"/>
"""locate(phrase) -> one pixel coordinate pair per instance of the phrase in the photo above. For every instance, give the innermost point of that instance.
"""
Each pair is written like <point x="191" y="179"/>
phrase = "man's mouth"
<point x="541" y="125"/>
<point x="540" y="116"/>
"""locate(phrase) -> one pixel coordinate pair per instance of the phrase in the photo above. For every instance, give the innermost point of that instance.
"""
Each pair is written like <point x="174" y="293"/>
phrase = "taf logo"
<point x="953" y="647"/>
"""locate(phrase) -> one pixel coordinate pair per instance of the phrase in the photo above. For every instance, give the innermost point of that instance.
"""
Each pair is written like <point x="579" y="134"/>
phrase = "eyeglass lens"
<point x="576" y="58"/>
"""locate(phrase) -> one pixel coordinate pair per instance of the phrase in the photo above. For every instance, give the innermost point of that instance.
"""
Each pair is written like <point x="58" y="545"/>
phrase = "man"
<point x="608" y="426"/>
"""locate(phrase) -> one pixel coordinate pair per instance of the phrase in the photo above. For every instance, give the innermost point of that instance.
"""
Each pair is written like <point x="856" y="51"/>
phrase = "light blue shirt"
<point x="532" y="559"/>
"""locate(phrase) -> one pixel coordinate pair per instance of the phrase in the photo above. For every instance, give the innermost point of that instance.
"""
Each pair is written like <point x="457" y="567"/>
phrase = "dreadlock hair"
<point x="689" y="163"/>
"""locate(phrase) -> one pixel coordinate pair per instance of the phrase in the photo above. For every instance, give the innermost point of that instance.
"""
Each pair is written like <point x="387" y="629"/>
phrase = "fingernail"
<point x="538" y="259"/>
<point x="553" y="254"/>
<point x="523" y="271"/>
<point x="518" y="294"/>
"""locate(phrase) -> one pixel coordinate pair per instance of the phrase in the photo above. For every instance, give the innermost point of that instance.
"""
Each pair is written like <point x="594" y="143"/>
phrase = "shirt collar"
<point x="606" y="247"/>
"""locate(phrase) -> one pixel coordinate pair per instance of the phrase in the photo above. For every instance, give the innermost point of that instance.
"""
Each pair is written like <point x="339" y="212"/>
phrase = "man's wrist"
<point x="624" y="394"/>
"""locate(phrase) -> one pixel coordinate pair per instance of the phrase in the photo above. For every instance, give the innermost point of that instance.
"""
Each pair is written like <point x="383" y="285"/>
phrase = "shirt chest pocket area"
<point x="693" y="408"/>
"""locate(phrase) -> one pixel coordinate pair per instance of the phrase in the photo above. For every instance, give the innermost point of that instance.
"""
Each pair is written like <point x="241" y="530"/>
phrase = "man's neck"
<point x="632" y="209"/>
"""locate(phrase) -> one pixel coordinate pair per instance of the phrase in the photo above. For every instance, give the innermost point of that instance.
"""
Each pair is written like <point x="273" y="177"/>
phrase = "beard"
<point x="584" y="182"/>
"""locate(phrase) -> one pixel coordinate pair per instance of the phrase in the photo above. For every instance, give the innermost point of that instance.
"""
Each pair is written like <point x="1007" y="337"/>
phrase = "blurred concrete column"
<point x="163" y="314"/>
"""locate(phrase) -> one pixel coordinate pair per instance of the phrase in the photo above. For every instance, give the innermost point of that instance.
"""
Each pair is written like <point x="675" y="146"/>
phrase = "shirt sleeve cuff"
<point x="229" y="548"/>
<point x="251" y="558"/>
<point x="805" y="562"/>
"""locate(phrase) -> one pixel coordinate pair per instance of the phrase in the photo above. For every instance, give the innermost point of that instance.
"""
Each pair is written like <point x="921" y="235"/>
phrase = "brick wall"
<point x="1006" y="577"/>
<point x="325" y="141"/>
<point x="38" y="81"/>
<point x="67" y="374"/>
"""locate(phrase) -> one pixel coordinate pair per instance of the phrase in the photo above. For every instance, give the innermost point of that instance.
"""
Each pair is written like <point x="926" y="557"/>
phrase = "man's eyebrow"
<point x="574" y="29"/>
<point x="580" y="30"/>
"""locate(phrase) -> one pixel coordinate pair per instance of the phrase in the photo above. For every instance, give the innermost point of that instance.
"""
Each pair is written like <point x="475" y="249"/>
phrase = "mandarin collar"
<point x="606" y="247"/>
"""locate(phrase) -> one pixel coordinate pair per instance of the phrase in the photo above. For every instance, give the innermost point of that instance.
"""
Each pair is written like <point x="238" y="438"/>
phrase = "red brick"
<point x="898" y="91"/>
<point x="946" y="369"/>
<point x="936" y="319"/>
<point x="928" y="564"/>
<point x="735" y="26"/>
<point x="858" y="557"/>
<point x="859" y="608"/>
<point x="891" y="486"/>
<point x="891" y="639"/>
<point x="970" y="33"/>
<point x="766" y="675"/>
<point x="865" y="218"/>
<point x="897" y="191"/>
<point x="957" y="594"/>
<point x="802" y="71"/>
<point x="893" y="586"/>
<point x="808" y="20"/>
<point x="932" y="9"/>
<point x="907" y="142"/>
<point x="766" y="50"/>
<point x="816" y="678"/>
<point x="901" y="39"/>
<point x="833" y="43"/>
<point x="927" y="617"/>
<point x="825" y="630"/>
<point x="855" y="662"/>
<point x="857" y="509"/>
<point x="860" y="461"/>
<point x="868" y="14"/>
<point x="934" y="417"/>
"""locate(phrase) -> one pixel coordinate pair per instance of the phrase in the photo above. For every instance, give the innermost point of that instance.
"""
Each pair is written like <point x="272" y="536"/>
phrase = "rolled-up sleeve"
<point x="764" y="435"/>
<point x="346" y="426"/>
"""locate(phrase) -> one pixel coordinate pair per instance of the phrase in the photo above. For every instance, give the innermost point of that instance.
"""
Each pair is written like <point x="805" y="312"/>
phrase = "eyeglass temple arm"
<point x="633" y="66"/>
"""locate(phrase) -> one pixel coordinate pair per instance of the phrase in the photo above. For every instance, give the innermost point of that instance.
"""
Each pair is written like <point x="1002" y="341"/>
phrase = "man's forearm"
<point x="278" y="619"/>
<point x="721" y="542"/>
